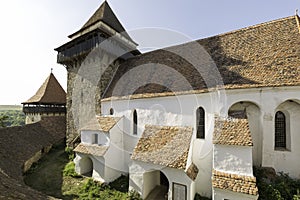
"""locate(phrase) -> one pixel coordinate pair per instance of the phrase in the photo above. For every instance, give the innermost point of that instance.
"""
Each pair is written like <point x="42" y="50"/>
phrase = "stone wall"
<point x="87" y="80"/>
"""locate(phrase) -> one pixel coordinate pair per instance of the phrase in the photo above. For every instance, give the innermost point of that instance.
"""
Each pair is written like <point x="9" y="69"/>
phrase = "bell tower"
<point x="95" y="50"/>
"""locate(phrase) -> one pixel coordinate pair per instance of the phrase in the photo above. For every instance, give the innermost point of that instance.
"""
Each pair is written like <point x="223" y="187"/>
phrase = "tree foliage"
<point x="11" y="118"/>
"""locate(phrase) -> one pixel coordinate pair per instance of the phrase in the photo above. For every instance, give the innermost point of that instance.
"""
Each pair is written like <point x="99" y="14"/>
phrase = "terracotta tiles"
<point x="91" y="149"/>
<point x="232" y="131"/>
<point x="102" y="123"/>
<point x="164" y="145"/>
<point x="192" y="171"/>
<point x="234" y="182"/>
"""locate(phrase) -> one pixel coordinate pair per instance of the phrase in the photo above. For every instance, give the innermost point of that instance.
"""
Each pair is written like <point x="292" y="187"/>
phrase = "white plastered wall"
<point x="180" y="111"/>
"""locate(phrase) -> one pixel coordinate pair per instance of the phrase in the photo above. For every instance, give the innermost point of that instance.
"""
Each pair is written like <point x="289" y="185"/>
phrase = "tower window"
<point x="200" y="123"/>
<point x="135" y="121"/>
<point x="280" y="130"/>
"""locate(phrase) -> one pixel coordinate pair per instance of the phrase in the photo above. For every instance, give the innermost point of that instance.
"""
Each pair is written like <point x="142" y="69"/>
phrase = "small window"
<point x="135" y="121"/>
<point x="280" y="130"/>
<point x="95" y="139"/>
<point x="200" y="123"/>
<point x="111" y="111"/>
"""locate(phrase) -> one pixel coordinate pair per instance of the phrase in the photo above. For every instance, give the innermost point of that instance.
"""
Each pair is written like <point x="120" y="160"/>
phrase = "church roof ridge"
<point x="262" y="55"/>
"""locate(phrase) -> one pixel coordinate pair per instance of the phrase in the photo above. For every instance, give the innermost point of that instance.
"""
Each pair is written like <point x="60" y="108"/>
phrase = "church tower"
<point x="49" y="100"/>
<point x="94" y="52"/>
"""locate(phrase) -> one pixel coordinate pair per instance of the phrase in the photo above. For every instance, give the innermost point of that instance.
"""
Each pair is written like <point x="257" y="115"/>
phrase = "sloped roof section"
<point x="264" y="55"/>
<point x="102" y="123"/>
<point x="92" y="149"/>
<point x="105" y="14"/>
<point x="234" y="182"/>
<point x="20" y="143"/>
<point x="164" y="145"/>
<point x="232" y="131"/>
<point x="50" y="92"/>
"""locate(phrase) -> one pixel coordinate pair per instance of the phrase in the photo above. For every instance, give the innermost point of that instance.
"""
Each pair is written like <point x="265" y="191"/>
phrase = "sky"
<point x="31" y="29"/>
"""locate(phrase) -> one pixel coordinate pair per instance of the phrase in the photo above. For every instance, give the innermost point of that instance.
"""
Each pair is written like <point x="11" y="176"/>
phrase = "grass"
<point x="55" y="176"/>
<point x="10" y="107"/>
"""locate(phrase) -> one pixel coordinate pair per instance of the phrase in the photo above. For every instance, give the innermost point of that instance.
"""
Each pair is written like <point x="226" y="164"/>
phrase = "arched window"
<point x="111" y="111"/>
<point x="200" y="123"/>
<point x="280" y="130"/>
<point x="135" y="122"/>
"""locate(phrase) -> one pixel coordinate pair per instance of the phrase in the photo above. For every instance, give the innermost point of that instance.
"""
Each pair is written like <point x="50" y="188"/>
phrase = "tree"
<point x="3" y="119"/>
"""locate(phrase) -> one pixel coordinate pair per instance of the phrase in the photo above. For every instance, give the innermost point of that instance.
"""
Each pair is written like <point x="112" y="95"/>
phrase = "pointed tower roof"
<point x="104" y="14"/>
<point x="50" y="92"/>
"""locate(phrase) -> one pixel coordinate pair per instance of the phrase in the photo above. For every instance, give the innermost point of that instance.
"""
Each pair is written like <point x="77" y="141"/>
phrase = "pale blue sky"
<point x="31" y="29"/>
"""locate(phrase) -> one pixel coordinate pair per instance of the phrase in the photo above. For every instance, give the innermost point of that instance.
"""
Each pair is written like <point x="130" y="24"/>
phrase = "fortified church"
<point x="187" y="119"/>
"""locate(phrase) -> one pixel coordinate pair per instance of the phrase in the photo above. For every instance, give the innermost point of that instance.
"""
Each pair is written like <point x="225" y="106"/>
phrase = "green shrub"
<point x="70" y="153"/>
<point x="278" y="187"/>
<point x="69" y="170"/>
<point x="134" y="195"/>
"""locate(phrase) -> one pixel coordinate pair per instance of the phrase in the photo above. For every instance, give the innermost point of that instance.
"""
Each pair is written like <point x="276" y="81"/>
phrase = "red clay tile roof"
<point x="235" y="183"/>
<point x="264" y="55"/>
<point x="103" y="123"/>
<point x="50" y="92"/>
<point x="92" y="149"/>
<point x="232" y="131"/>
<point x="164" y="145"/>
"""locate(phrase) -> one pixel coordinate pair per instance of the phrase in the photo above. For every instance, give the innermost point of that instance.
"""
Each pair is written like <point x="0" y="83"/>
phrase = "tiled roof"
<point x="192" y="171"/>
<point x="20" y="143"/>
<point x="164" y="145"/>
<point x="102" y="123"/>
<point x="232" y="131"/>
<point x="265" y="55"/>
<point x="50" y="92"/>
<point x="92" y="149"/>
<point x="13" y="189"/>
<point x="235" y="183"/>
<point x="105" y="14"/>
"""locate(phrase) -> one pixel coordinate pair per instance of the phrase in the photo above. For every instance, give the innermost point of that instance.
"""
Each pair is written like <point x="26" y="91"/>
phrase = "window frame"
<point x="280" y="131"/>
<point x="200" y="123"/>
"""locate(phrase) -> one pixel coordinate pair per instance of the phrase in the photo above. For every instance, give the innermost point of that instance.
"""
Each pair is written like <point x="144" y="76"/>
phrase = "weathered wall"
<point x="225" y="194"/>
<point x="87" y="80"/>
<point x="233" y="159"/>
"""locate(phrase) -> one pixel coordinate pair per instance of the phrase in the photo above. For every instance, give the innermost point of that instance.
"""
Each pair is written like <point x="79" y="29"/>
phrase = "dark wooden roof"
<point x="105" y="14"/>
<point x="264" y="55"/>
<point x="50" y="92"/>
<point x="18" y="144"/>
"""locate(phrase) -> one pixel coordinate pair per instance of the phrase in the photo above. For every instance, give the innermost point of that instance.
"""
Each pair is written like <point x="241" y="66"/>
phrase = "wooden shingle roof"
<point x="264" y="55"/>
<point x="164" y="145"/>
<point x="102" y="123"/>
<point x="91" y="149"/>
<point x="50" y="92"/>
<point x="105" y="14"/>
<point x="232" y="131"/>
<point x="234" y="182"/>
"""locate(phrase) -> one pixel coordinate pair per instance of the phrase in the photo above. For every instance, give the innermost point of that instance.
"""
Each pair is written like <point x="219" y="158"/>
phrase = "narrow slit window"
<point x="200" y="120"/>
<point x="135" y="122"/>
<point x="280" y="130"/>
